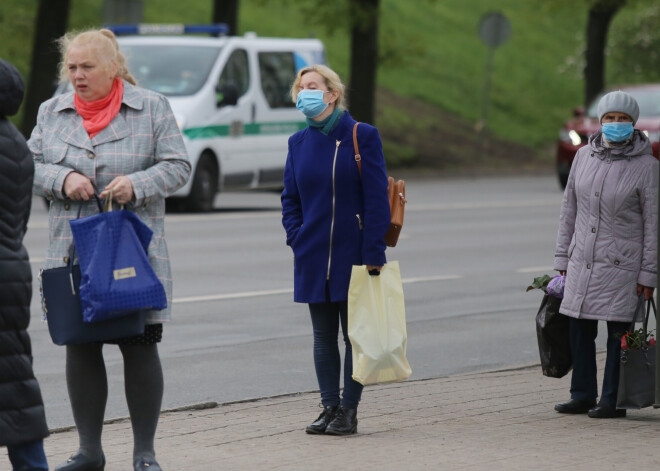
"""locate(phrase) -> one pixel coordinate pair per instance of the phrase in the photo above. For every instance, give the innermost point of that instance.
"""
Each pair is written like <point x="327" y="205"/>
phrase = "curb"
<point x="212" y="404"/>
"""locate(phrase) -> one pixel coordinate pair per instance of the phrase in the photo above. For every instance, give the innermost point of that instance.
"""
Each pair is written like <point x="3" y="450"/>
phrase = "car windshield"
<point x="170" y="70"/>
<point x="648" y="101"/>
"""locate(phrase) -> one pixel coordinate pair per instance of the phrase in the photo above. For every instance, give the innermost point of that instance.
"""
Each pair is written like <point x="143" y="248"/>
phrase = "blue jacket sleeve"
<point x="291" y="207"/>
<point x="376" y="201"/>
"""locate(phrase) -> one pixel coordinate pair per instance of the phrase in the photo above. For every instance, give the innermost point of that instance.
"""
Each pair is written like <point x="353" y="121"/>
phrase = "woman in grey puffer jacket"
<point x="606" y="247"/>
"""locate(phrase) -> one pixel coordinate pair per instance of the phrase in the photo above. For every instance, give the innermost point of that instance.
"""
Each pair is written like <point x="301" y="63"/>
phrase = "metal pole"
<point x="484" y="101"/>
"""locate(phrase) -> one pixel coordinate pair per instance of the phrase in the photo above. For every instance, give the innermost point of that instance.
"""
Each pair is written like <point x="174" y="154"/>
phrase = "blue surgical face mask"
<point x="311" y="103"/>
<point x="617" y="132"/>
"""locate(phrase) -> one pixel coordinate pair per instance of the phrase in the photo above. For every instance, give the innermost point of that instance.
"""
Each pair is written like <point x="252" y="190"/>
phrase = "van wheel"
<point x="205" y="185"/>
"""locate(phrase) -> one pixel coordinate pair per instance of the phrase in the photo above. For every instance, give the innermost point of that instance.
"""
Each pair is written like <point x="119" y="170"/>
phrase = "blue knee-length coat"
<point x="334" y="218"/>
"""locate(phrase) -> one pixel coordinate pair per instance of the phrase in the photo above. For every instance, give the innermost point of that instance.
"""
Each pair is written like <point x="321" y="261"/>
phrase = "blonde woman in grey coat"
<point x="109" y="134"/>
<point x="606" y="247"/>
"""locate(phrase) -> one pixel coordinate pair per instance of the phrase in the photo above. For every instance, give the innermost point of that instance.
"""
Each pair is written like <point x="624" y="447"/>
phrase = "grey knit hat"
<point x="618" y="101"/>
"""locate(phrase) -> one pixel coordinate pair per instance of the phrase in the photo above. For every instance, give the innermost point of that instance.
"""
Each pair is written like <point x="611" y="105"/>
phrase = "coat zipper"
<point x="332" y="223"/>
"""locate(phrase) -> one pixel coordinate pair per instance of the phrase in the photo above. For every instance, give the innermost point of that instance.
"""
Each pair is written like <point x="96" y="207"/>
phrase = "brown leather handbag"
<point x="396" y="192"/>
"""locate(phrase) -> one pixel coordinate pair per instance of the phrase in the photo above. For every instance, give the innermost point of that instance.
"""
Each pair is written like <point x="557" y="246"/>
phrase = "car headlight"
<point x="653" y="136"/>
<point x="570" y="136"/>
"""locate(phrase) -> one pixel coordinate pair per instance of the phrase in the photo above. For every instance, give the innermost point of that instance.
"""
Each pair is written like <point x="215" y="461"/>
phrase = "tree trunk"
<point x="600" y="17"/>
<point x="364" y="59"/>
<point x="51" y="23"/>
<point x="226" y="11"/>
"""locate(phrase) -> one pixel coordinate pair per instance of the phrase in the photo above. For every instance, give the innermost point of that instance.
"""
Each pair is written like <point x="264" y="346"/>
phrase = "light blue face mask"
<point x="617" y="132"/>
<point x="311" y="103"/>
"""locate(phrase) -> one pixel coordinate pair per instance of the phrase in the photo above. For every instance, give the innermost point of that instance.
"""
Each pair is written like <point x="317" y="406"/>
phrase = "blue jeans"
<point x="326" y="318"/>
<point x="584" y="385"/>
<point x="28" y="456"/>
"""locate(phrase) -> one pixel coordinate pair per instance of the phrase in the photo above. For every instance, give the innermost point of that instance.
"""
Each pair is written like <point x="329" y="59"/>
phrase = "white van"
<point x="230" y="96"/>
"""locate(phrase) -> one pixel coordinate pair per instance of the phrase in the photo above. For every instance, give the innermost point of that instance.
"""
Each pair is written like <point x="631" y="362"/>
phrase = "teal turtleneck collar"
<point x="327" y="125"/>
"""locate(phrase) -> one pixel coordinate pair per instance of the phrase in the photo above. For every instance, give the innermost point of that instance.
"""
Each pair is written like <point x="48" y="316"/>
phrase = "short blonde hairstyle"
<point x="332" y="81"/>
<point x="105" y="43"/>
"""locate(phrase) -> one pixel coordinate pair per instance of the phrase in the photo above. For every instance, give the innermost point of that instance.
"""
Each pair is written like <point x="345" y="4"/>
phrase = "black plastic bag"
<point x="553" y="338"/>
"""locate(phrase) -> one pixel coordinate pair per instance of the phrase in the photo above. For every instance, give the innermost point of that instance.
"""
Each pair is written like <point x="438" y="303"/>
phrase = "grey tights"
<point x="88" y="391"/>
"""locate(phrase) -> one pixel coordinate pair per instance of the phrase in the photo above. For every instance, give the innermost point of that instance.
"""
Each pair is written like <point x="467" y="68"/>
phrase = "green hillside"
<point x="430" y="83"/>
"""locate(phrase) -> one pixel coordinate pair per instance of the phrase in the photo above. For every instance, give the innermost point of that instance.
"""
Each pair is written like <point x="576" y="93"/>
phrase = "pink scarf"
<point x="97" y="114"/>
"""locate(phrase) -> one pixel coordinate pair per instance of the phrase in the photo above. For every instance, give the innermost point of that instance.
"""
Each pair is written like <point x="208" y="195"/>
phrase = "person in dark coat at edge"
<point x="334" y="219"/>
<point x="22" y="418"/>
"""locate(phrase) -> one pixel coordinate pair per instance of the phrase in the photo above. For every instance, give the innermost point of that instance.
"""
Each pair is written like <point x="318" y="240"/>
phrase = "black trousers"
<point x="584" y="385"/>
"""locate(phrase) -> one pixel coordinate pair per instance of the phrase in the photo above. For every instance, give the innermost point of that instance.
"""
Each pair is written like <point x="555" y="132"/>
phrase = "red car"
<point x="576" y="131"/>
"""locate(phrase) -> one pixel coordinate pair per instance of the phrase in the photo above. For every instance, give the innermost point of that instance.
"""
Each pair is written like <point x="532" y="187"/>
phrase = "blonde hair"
<point x="105" y="43"/>
<point x="331" y="79"/>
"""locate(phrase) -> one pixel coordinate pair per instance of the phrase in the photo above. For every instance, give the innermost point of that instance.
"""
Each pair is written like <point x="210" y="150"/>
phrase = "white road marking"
<point x="543" y="269"/>
<point x="37" y="259"/>
<point x="222" y="297"/>
<point x="482" y="205"/>
<point x="424" y="279"/>
<point x="272" y="292"/>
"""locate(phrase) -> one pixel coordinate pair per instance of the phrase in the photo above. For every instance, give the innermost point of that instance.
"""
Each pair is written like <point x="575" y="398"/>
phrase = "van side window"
<point x="278" y="71"/>
<point x="236" y="72"/>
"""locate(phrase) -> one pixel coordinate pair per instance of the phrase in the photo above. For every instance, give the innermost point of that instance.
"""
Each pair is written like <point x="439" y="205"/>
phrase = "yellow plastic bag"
<point x="377" y="325"/>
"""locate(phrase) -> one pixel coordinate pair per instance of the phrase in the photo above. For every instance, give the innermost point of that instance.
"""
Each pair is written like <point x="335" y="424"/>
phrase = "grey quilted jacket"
<point x="608" y="229"/>
<point x="142" y="142"/>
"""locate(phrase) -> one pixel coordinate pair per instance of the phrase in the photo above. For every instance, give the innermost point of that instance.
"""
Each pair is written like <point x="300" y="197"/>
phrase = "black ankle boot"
<point x="344" y="423"/>
<point x="320" y="424"/>
<point x="80" y="462"/>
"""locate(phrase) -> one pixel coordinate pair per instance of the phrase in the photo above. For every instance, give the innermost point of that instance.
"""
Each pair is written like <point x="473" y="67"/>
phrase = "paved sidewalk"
<point x="500" y="420"/>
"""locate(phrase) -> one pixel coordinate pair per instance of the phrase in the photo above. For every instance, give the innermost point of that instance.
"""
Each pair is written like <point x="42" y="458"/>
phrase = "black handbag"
<point x="60" y="296"/>
<point x="637" y="371"/>
<point x="552" y="332"/>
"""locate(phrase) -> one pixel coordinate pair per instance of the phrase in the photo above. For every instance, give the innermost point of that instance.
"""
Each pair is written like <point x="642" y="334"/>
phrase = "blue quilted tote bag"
<point x="116" y="277"/>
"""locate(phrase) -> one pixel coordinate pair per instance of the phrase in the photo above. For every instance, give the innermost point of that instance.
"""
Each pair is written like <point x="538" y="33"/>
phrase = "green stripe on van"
<point x="250" y="129"/>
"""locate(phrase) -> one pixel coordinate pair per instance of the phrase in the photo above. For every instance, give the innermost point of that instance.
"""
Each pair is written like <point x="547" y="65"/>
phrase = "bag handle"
<point x="107" y="206"/>
<point x="98" y="204"/>
<point x="358" y="159"/>
<point x="650" y="303"/>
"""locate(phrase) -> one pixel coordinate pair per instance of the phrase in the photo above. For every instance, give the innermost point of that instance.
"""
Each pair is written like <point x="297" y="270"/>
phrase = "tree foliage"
<point x="634" y="47"/>
<point x="376" y="41"/>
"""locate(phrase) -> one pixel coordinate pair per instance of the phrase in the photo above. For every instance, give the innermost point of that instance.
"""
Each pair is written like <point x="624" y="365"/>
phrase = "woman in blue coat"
<point x="334" y="219"/>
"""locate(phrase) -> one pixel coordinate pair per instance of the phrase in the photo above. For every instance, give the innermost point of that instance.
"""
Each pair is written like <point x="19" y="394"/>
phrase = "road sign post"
<point x="494" y="30"/>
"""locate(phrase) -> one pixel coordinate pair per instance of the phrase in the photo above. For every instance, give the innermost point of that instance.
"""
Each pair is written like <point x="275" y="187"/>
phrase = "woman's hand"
<point x="78" y="187"/>
<point x="122" y="190"/>
<point x="375" y="269"/>
<point x="648" y="291"/>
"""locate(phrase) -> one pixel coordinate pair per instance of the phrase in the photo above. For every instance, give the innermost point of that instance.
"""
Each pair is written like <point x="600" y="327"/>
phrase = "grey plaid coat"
<point x="142" y="142"/>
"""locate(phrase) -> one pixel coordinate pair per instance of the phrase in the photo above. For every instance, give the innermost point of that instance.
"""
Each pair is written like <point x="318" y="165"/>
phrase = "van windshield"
<point x="170" y="70"/>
